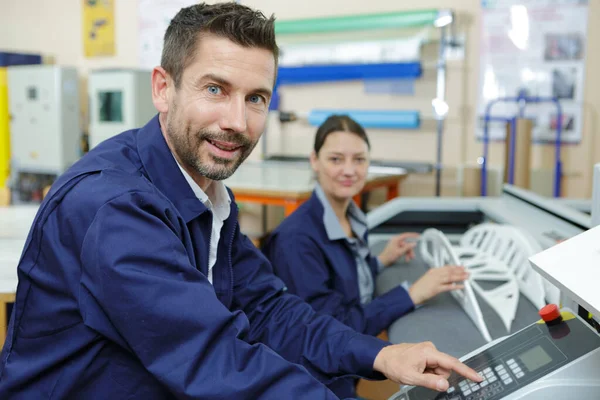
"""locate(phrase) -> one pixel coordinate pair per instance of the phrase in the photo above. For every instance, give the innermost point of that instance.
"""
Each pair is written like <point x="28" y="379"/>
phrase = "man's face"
<point x="218" y="113"/>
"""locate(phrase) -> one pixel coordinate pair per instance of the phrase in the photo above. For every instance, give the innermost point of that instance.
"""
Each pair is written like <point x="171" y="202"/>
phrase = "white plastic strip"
<point x="511" y="247"/>
<point x="437" y="251"/>
<point x="484" y="269"/>
<point x="373" y="51"/>
<point x="532" y="247"/>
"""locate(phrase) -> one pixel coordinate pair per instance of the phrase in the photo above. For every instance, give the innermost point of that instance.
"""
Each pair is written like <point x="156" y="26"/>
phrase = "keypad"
<point x="494" y="380"/>
<point x="516" y="368"/>
<point x="486" y="392"/>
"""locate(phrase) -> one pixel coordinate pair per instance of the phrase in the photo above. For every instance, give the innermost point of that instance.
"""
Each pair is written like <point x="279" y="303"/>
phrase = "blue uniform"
<point x="113" y="300"/>
<point x="323" y="272"/>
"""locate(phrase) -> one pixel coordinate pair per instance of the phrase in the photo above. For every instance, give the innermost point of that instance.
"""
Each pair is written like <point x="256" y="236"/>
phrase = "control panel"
<point x="520" y="360"/>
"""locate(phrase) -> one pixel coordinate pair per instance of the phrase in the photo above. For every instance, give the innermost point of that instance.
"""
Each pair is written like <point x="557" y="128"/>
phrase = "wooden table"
<point x="289" y="184"/>
<point x="15" y="222"/>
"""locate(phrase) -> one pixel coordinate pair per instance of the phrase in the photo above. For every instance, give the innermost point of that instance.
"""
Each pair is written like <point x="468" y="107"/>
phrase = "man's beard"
<point x="186" y="144"/>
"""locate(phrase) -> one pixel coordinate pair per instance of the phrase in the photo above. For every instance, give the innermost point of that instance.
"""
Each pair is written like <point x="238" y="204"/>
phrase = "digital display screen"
<point x="535" y="358"/>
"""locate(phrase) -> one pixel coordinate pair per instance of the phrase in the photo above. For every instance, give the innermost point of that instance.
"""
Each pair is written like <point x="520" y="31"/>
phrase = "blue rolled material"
<point x="345" y="72"/>
<point x="384" y="119"/>
<point x="8" y="59"/>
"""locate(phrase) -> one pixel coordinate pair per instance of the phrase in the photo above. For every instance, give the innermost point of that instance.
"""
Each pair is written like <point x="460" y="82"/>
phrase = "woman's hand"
<point x="436" y="281"/>
<point x="397" y="247"/>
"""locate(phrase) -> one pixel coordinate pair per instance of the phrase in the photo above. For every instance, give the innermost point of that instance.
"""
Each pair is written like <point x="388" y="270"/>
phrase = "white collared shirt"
<point x="217" y="200"/>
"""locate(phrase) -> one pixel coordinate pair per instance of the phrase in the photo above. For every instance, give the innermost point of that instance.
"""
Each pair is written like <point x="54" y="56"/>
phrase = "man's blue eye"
<point x="255" y="99"/>
<point x="214" y="89"/>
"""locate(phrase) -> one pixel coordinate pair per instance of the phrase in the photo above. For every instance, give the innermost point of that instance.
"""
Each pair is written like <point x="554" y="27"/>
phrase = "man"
<point x="136" y="282"/>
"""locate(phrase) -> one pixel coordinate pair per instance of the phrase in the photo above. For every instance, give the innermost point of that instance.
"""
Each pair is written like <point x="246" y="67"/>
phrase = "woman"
<point x="321" y="250"/>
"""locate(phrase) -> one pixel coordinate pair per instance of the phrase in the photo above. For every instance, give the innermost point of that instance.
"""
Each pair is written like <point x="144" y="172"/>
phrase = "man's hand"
<point x="398" y="246"/>
<point x="420" y="364"/>
<point x="436" y="281"/>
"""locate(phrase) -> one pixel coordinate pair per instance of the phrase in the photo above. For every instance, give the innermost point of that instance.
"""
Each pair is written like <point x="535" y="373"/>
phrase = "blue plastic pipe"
<point x="346" y="72"/>
<point x="384" y="119"/>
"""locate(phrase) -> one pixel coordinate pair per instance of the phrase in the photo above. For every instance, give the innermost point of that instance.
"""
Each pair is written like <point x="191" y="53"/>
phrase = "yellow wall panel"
<point x="4" y="129"/>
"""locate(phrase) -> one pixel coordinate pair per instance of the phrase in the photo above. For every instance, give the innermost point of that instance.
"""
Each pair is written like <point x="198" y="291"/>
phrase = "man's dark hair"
<point x="238" y="23"/>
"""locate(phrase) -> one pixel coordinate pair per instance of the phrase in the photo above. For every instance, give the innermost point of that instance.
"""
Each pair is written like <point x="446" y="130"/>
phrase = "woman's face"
<point x="341" y="165"/>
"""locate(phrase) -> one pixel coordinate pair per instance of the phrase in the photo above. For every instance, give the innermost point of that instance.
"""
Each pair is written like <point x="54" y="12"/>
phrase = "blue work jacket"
<point x="323" y="272"/>
<point x="113" y="300"/>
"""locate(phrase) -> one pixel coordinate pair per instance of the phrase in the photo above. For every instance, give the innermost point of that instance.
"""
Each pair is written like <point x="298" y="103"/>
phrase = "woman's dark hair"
<point x="337" y="123"/>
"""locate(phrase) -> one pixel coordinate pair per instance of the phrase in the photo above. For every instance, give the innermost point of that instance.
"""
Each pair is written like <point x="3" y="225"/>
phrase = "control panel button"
<point x="520" y="375"/>
<point x="450" y="389"/>
<point x="507" y="381"/>
<point x="487" y="370"/>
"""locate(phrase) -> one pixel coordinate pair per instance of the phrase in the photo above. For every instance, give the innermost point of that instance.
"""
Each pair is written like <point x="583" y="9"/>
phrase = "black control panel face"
<point x="516" y="362"/>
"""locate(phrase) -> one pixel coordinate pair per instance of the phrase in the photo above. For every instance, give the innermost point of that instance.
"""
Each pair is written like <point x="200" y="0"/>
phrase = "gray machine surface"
<point x="545" y="220"/>
<point x="442" y="320"/>
<point x="539" y="362"/>
<point x="581" y="205"/>
<point x="454" y="332"/>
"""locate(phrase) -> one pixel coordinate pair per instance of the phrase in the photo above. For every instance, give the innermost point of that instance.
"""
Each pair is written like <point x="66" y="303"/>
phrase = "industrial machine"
<point x="535" y="360"/>
<point x="582" y="205"/>
<point x="540" y="362"/>
<point x="44" y="127"/>
<point x="545" y="219"/>
<point x="120" y="99"/>
<point x="9" y="59"/>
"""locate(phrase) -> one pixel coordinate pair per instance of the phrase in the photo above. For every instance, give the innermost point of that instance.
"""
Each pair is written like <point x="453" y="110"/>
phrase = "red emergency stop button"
<point x="550" y="313"/>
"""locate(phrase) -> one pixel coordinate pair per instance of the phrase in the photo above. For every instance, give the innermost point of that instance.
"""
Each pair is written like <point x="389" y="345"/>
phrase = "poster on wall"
<point x="154" y="18"/>
<point x="98" y="28"/>
<point x="535" y="48"/>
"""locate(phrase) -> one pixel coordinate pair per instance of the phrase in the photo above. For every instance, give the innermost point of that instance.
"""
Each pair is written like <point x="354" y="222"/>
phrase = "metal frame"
<point x="522" y="100"/>
<point x="440" y="96"/>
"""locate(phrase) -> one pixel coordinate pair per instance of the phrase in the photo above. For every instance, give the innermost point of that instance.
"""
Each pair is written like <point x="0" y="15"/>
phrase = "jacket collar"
<point x="330" y="221"/>
<point x="163" y="172"/>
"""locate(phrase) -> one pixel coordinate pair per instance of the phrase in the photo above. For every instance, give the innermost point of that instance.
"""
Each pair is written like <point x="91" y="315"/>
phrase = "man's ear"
<point x="160" y="89"/>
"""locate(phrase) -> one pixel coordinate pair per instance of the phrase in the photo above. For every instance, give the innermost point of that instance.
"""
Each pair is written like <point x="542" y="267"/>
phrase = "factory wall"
<point x="54" y="28"/>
